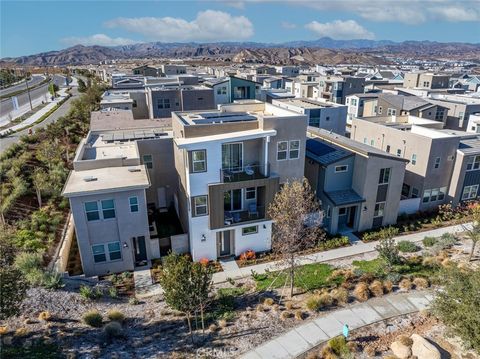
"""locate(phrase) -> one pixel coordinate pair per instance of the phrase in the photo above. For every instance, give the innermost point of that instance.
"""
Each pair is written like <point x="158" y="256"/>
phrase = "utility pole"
<point x="28" y="92"/>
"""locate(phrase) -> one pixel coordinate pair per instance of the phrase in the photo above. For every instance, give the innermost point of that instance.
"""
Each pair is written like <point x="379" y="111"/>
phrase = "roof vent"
<point x="134" y="169"/>
<point x="90" y="178"/>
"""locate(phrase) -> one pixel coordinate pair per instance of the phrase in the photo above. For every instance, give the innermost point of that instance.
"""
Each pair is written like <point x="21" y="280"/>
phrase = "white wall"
<point x="258" y="242"/>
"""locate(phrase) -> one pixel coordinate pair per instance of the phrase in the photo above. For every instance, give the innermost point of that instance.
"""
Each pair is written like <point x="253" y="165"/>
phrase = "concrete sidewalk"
<point x="309" y="335"/>
<point x="357" y="247"/>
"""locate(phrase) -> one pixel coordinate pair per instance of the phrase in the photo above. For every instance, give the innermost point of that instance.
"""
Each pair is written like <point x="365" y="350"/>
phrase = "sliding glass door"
<point x="232" y="200"/>
<point x="232" y="156"/>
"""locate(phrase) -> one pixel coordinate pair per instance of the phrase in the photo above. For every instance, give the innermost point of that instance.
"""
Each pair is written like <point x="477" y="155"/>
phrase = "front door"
<point x="351" y="216"/>
<point x="140" y="250"/>
<point x="224" y="244"/>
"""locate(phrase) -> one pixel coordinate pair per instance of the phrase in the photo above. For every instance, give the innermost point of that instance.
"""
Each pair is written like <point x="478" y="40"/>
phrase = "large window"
<point x="249" y="230"/>
<point x="470" y="192"/>
<point x="91" y="210"/>
<point x="163" y="103"/>
<point x="148" y="161"/>
<point x="294" y="149"/>
<point x="114" y="251"/>
<point x="434" y="194"/>
<point x="108" y="208"/>
<point x="282" y="150"/>
<point x="200" y="206"/>
<point x="384" y="176"/>
<point x="199" y="161"/>
<point x="391" y="112"/>
<point x="99" y="253"/>
<point x="473" y="163"/>
<point x="133" y="202"/>
<point x="379" y="209"/>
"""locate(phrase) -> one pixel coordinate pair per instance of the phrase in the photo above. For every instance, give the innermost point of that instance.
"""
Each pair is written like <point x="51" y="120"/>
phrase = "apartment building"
<point x="173" y="69"/>
<point x="163" y="100"/>
<point x="359" y="185"/>
<point x="337" y="88"/>
<point x="230" y="163"/>
<point x="457" y="107"/>
<point x="116" y="100"/>
<point x="145" y="70"/>
<point x="289" y="71"/>
<point x="321" y="114"/>
<point x="121" y="182"/>
<point x="426" y="80"/>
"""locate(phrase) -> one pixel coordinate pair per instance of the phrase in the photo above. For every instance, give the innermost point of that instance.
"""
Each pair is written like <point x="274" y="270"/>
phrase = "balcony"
<point x="253" y="213"/>
<point x="246" y="173"/>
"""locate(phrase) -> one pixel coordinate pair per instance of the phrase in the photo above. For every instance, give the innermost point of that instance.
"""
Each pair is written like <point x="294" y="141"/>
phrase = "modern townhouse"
<point x="426" y="80"/>
<point x="121" y="184"/>
<point x="459" y="108"/>
<point x="431" y="152"/>
<point x="230" y="163"/>
<point x="173" y="69"/>
<point x="361" y="105"/>
<point x="230" y="89"/>
<point x="117" y="100"/>
<point x="359" y="185"/>
<point x="289" y="71"/>
<point x="146" y="70"/>
<point x="337" y="88"/>
<point x="321" y="114"/>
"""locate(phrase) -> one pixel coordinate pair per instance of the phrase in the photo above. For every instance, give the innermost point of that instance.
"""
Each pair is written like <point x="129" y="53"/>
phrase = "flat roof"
<point x="112" y="151"/>
<point x="109" y="120"/>
<point x="106" y="180"/>
<point x="304" y="102"/>
<point x="238" y="135"/>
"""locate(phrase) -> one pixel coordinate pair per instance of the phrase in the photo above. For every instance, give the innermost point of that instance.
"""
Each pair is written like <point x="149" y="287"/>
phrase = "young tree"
<point x="202" y="286"/>
<point x="457" y="304"/>
<point x="473" y="232"/>
<point x="40" y="182"/>
<point x="387" y="247"/>
<point x="296" y="214"/>
<point x="53" y="88"/>
<point x="81" y="86"/>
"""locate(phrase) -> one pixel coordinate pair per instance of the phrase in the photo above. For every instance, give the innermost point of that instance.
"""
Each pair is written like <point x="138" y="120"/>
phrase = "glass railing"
<point x="253" y="213"/>
<point x="245" y="173"/>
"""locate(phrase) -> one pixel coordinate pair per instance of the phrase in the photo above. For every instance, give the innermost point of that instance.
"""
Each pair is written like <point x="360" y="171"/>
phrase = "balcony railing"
<point x="245" y="173"/>
<point x="253" y="213"/>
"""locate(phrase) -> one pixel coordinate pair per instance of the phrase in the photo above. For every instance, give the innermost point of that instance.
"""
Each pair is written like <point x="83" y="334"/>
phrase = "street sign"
<point x="15" y="103"/>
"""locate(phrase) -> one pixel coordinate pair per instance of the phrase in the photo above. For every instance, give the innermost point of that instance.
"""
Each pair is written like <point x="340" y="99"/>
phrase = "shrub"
<point x="3" y="330"/>
<point x="447" y="263"/>
<point x="112" y="292"/>
<point x="387" y="286"/>
<point x="298" y="315"/>
<point x="133" y="301"/>
<point x="93" y="318"/>
<point x="285" y="315"/>
<point x="325" y="299"/>
<point x="45" y="316"/>
<point x="405" y="340"/>
<point x="212" y="328"/>
<point x="204" y="261"/>
<point x="376" y="288"/>
<point x="260" y="308"/>
<point x="388" y="251"/>
<point x="407" y="247"/>
<point x="313" y="303"/>
<point x="430" y="262"/>
<point x="446" y="241"/>
<point x="21" y="332"/>
<point x="334" y="243"/>
<point x="340" y="295"/>
<point x="222" y="323"/>
<point x="429" y="241"/>
<point x="248" y="255"/>
<point x="88" y="292"/>
<point x="327" y="353"/>
<point x="115" y="315"/>
<point x="405" y="284"/>
<point x="275" y="307"/>
<point x="289" y="305"/>
<point x="421" y="283"/>
<point x="113" y="330"/>
<point x="361" y="292"/>
<point x="339" y="346"/>
<point x="268" y="301"/>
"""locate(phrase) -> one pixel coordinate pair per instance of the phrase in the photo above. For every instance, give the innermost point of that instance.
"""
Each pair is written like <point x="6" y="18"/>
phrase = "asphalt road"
<point x="6" y="105"/>
<point x="62" y="110"/>
<point x="35" y="80"/>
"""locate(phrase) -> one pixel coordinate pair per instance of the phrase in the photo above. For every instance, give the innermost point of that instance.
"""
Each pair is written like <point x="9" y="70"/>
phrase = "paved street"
<point x="35" y="80"/>
<point x="62" y="110"/>
<point x="314" y="333"/>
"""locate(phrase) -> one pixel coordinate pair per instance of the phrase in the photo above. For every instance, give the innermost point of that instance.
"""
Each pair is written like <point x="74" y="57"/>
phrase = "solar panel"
<point x="319" y="148"/>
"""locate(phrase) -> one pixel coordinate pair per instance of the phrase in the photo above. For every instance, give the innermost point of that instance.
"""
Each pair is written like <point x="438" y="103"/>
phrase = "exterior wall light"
<point x="204" y="238"/>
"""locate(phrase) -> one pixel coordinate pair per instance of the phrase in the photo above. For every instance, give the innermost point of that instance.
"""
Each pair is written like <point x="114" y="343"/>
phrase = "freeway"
<point x="6" y="105"/>
<point x="34" y="80"/>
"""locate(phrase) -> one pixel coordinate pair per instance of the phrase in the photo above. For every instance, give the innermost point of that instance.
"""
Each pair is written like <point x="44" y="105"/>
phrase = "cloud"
<point x="457" y="14"/>
<point x="97" y="39"/>
<point x="288" y="25"/>
<point x="240" y="5"/>
<point x="209" y="25"/>
<point x="340" y="30"/>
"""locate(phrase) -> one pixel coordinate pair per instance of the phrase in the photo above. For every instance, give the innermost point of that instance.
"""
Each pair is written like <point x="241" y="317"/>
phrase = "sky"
<point x="30" y="27"/>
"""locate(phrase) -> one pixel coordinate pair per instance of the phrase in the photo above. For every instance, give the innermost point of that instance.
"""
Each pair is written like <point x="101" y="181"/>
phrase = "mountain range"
<point x="324" y="50"/>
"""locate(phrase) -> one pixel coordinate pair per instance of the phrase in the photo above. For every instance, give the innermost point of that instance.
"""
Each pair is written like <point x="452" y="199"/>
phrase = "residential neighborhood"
<point x="198" y="189"/>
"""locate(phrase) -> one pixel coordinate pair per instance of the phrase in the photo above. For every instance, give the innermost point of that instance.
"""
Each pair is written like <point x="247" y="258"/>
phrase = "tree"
<point x="387" y="247"/>
<point x="473" y="232"/>
<point x="457" y="304"/>
<point x="81" y="86"/>
<point x="296" y="214"/>
<point x="13" y="285"/>
<point x="40" y="182"/>
<point x="53" y="88"/>
<point x="186" y="285"/>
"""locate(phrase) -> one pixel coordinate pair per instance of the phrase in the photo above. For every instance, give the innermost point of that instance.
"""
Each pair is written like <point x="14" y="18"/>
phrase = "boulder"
<point x="400" y="350"/>
<point x="423" y="349"/>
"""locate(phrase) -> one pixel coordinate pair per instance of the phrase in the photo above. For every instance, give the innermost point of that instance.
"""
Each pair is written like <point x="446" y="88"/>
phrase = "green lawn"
<point x="374" y="266"/>
<point x="307" y="277"/>
<point x="377" y="267"/>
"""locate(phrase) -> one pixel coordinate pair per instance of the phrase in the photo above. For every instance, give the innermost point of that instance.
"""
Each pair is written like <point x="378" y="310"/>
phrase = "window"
<point x="249" y="230"/>
<point x="399" y="152"/>
<point x="91" y="210"/>
<point x="199" y="161"/>
<point x="426" y="83"/>
<point x="99" y="253"/>
<point x="437" y="162"/>
<point x="434" y="195"/>
<point x="391" y="112"/>
<point x="470" y="192"/>
<point x="439" y="114"/>
<point x="388" y="149"/>
<point x="329" y="212"/>
<point x="342" y="211"/>
<point x="384" y="176"/>
<point x="163" y="103"/>
<point x="426" y="195"/>
<point x="365" y="140"/>
<point x="133" y="201"/>
<point x="372" y="142"/>
<point x="294" y="149"/>
<point x="282" y="150"/>
<point x="379" y="110"/>
<point x="108" y="208"/>
<point x="200" y="205"/>
<point x="148" y="161"/>
<point x="353" y="102"/>
<point x="441" y="193"/>
<point x="250" y="193"/>
<point x="379" y="209"/>
<point x="414" y="159"/>
<point x="342" y="168"/>
<point x="414" y="192"/>
<point x="114" y="252"/>
<point x="473" y="163"/>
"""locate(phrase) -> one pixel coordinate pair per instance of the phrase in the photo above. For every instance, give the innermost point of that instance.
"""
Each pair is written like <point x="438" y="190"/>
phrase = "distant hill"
<point x="324" y="50"/>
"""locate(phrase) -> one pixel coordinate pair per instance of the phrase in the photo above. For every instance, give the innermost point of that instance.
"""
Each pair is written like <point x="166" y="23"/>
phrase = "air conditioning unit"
<point x="134" y="169"/>
<point x="90" y="178"/>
